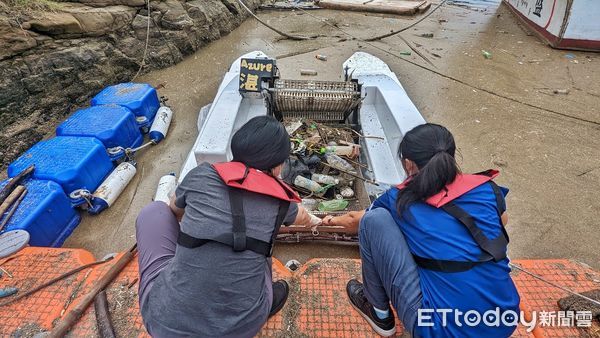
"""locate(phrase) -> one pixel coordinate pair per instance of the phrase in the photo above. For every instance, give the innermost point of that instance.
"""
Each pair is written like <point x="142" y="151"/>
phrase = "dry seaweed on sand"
<point x="121" y="300"/>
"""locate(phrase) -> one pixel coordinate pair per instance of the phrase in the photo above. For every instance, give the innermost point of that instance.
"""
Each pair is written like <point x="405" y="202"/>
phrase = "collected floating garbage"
<point x="292" y="127"/>
<point x="347" y="192"/>
<point x="321" y="164"/>
<point x="339" y="163"/>
<point x="310" y="185"/>
<point x="332" y="205"/>
<point x="350" y="151"/>
<point x="325" y="179"/>
<point x="310" y="204"/>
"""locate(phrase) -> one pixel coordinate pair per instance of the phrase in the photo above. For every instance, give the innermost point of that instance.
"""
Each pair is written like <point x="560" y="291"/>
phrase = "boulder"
<point x="195" y="9"/>
<point x="175" y="17"/>
<point x="104" y="3"/>
<point x="99" y="21"/>
<point x="14" y="40"/>
<point x="76" y="20"/>
<point x="56" y="24"/>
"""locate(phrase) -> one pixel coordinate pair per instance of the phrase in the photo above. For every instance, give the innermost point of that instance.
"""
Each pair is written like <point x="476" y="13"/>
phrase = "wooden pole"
<point x="63" y="326"/>
<point x="12" y="209"/>
<point x="14" y="182"/>
<point x="14" y="195"/>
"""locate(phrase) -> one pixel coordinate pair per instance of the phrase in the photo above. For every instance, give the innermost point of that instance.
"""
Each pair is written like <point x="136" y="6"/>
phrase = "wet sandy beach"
<point x="549" y="158"/>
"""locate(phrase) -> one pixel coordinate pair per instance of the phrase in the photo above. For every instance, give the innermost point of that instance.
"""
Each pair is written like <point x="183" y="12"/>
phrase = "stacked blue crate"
<point x="115" y="126"/>
<point x="45" y="213"/>
<point x="78" y="158"/>
<point x="72" y="162"/>
<point x="140" y="98"/>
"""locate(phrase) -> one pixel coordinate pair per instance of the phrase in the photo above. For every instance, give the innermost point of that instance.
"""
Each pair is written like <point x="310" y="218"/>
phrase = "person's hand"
<point x="328" y="220"/>
<point x="315" y="221"/>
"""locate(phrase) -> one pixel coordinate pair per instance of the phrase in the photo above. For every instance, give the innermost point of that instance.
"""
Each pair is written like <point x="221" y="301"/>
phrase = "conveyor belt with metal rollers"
<point x="317" y="100"/>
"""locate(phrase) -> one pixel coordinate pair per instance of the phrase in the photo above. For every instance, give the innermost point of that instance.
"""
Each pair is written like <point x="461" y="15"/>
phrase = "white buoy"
<point x="166" y="187"/>
<point x="161" y="124"/>
<point x="108" y="192"/>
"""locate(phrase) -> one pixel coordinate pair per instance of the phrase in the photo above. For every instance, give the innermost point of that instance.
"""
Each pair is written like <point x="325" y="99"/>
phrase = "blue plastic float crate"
<point x="45" y="212"/>
<point x="113" y="125"/>
<point x="140" y="98"/>
<point x="73" y="162"/>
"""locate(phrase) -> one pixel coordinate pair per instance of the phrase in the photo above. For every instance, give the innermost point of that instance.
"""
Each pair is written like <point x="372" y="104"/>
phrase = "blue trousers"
<point x="388" y="268"/>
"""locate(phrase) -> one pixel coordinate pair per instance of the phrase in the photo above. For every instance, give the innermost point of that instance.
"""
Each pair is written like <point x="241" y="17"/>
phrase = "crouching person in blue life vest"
<point x="435" y="247"/>
<point x="211" y="276"/>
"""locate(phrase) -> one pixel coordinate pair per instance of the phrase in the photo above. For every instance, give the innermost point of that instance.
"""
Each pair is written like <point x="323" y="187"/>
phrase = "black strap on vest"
<point x="236" y="202"/>
<point x="493" y="250"/>
<point x="238" y="239"/>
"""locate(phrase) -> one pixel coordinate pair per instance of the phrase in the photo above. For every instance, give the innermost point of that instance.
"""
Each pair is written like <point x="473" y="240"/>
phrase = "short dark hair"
<point x="262" y="143"/>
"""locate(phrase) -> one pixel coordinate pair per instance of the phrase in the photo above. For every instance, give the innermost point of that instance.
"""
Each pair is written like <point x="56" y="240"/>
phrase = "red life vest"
<point x="238" y="177"/>
<point x="461" y="185"/>
<point x="494" y="249"/>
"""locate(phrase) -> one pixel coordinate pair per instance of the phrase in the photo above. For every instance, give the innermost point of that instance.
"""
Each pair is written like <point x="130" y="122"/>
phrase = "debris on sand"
<point x="577" y="304"/>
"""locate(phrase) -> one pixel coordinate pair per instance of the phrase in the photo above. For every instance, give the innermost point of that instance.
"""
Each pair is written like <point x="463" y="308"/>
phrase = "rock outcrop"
<point x="52" y="61"/>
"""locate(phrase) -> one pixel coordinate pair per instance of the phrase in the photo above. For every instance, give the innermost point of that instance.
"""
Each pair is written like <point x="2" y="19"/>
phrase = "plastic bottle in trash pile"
<point x="339" y="150"/>
<point x="324" y="179"/>
<point x="303" y="182"/>
<point x="310" y="204"/>
<point x="347" y="192"/>
<point x="332" y="205"/>
<point x="339" y="163"/>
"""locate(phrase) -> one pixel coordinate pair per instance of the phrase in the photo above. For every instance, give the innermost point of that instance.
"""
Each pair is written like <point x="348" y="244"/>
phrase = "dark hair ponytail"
<point x="431" y="147"/>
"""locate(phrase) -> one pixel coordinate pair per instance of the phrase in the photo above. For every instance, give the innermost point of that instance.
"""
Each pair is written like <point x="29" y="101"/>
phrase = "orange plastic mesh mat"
<point x="316" y="306"/>
<point x="538" y="297"/>
<point x="29" y="268"/>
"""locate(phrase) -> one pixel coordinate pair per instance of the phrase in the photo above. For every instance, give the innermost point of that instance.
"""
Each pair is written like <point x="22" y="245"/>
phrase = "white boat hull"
<point x="564" y="24"/>
<point x="386" y="114"/>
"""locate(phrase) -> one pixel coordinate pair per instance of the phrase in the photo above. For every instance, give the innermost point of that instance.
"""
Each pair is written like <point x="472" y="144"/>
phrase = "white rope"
<point x="143" y="63"/>
<point x="133" y="150"/>
<point x="555" y="285"/>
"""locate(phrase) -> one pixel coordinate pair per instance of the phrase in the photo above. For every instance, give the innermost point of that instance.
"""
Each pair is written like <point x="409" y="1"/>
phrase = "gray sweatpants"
<point x="388" y="268"/>
<point x="156" y="231"/>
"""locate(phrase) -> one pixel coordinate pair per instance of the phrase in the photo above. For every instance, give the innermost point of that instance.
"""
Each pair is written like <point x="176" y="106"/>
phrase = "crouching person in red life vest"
<point x="435" y="247"/>
<point x="211" y="275"/>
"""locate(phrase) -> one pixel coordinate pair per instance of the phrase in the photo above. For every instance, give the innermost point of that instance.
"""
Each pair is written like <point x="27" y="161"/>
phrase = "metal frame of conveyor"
<point x="322" y="101"/>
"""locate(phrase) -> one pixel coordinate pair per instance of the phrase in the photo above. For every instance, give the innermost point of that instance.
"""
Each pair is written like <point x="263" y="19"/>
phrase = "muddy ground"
<point x="549" y="160"/>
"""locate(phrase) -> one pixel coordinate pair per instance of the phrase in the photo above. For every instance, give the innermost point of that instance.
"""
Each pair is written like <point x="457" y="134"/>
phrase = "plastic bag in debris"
<point x="333" y="205"/>
<point x="292" y="167"/>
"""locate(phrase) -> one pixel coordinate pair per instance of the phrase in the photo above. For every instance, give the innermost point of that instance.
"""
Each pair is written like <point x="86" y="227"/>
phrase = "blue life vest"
<point x="461" y="254"/>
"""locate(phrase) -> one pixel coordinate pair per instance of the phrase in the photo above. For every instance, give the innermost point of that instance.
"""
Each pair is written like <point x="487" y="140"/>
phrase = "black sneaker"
<point x="384" y="327"/>
<point x="280" y="295"/>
